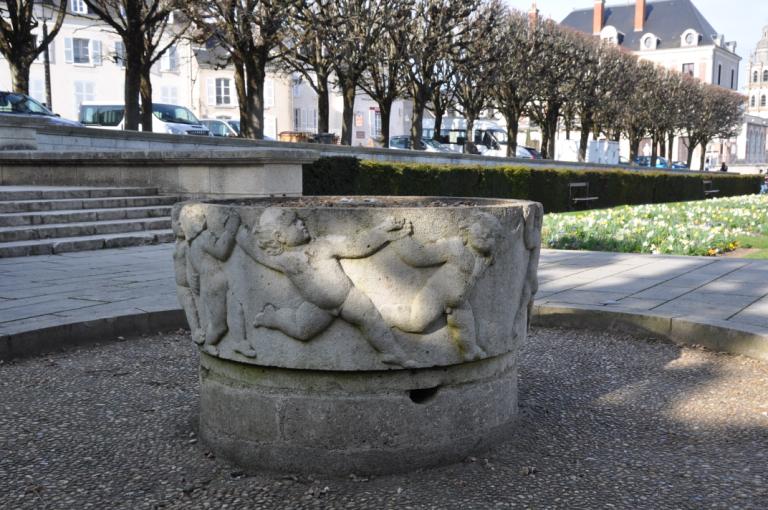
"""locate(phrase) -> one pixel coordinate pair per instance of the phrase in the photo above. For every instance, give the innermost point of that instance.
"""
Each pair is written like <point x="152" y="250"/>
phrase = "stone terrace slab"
<point x="55" y="290"/>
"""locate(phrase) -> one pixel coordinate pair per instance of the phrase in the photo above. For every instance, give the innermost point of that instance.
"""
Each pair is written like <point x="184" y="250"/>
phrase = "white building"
<point x="672" y="34"/>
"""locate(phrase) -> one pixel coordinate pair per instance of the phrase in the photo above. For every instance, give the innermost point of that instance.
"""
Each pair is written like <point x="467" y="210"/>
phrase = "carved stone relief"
<point x="356" y="288"/>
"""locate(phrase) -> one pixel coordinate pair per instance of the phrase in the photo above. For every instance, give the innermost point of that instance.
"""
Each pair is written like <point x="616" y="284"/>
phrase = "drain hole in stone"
<point x="423" y="395"/>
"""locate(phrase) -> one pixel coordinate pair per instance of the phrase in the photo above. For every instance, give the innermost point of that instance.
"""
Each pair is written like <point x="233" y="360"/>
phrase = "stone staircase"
<point x="37" y="220"/>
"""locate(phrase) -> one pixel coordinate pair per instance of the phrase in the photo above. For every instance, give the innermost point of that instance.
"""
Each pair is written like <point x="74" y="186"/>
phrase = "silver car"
<point x="13" y="104"/>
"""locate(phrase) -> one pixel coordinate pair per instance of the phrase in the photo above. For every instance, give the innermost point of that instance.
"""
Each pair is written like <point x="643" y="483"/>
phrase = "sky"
<point x="739" y="20"/>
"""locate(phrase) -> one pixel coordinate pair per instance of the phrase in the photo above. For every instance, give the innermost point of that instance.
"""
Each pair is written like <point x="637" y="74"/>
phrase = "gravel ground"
<point x="607" y="421"/>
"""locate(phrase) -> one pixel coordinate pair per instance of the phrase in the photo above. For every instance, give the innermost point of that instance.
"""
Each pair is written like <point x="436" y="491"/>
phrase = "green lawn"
<point x="707" y="227"/>
<point x="758" y="242"/>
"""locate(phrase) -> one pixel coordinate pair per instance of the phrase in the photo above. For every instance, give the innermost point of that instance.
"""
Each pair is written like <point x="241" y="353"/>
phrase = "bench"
<point x="709" y="191"/>
<point x="578" y="195"/>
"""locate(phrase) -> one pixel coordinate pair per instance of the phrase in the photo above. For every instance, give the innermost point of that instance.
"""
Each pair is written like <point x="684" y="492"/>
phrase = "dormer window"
<point x="690" y="38"/>
<point x="649" y="42"/>
<point x="610" y="35"/>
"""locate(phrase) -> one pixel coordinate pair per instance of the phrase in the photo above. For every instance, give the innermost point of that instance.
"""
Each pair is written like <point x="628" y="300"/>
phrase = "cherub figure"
<point x="184" y="289"/>
<point x="282" y="242"/>
<point x="208" y="248"/>
<point x="461" y="260"/>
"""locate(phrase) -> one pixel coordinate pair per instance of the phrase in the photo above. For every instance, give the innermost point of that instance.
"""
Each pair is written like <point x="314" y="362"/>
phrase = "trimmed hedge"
<point x="350" y="176"/>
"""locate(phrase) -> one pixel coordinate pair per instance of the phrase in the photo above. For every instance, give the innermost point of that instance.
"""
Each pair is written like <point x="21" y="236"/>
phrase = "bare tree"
<point x="476" y="64"/>
<point x="383" y="80"/>
<point x="132" y="20"/>
<point x="304" y="50"/>
<point x="436" y="31"/>
<point x="556" y="76"/>
<point x="514" y="90"/>
<point x="250" y="31"/>
<point x="18" y="44"/>
<point x="713" y="112"/>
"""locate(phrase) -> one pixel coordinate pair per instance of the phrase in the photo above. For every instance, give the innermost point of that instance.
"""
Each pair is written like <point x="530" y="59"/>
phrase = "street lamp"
<point x="46" y="13"/>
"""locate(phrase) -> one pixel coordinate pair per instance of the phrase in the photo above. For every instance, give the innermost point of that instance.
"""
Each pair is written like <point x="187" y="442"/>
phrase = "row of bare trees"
<point x="467" y="55"/>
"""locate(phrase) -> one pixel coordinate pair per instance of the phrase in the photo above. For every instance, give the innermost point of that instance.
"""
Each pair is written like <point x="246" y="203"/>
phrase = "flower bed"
<point x="707" y="227"/>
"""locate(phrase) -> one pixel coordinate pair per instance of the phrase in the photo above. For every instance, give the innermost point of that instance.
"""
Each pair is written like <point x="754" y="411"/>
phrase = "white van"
<point x="168" y="118"/>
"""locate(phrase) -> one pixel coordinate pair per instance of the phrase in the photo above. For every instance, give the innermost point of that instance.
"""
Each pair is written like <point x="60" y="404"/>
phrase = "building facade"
<point x="757" y="75"/>
<point x="674" y="35"/>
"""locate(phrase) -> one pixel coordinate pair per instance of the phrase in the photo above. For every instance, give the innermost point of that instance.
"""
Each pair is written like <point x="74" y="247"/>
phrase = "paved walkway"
<point x="52" y="290"/>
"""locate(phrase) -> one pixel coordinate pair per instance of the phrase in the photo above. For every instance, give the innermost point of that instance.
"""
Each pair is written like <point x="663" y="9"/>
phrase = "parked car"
<point x="535" y="154"/>
<point x="234" y="124"/>
<point x="168" y="118"/>
<point x="646" y="161"/>
<point x="682" y="165"/>
<point x="22" y="106"/>
<point x="404" y="143"/>
<point x="219" y="127"/>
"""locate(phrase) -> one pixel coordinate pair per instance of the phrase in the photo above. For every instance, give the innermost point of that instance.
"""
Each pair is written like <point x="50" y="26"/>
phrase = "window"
<point x="84" y="91"/>
<point x="719" y="72"/>
<point x="688" y="69"/>
<point x="169" y="62"/>
<point x="37" y="90"/>
<point x="765" y="75"/>
<point x="269" y="94"/>
<point x="51" y="51"/>
<point x="169" y="94"/>
<point x="752" y="102"/>
<point x="78" y="6"/>
<point x="222" y="91"/>
<point x="733" y="79"/>
<point x="755" y="77"/>
<point x="82" y="51"/>
<point x="119" y="54"/>
<point x="304" y="120"/>
<point x="762" y="101"/>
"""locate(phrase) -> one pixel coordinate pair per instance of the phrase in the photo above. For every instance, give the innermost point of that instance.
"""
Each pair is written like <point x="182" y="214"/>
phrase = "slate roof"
<point x="667" y="19"/>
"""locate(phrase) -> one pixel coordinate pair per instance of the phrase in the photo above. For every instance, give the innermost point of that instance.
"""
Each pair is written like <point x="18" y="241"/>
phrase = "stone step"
<point x="64" y="204"/>
<point x="30" y="233"/>
<point x="16" y="193"/>
<point x="70" y="244"/>
<point x="79" y="216"/>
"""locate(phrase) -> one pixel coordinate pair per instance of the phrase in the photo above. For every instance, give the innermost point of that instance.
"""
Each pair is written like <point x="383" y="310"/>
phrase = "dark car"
<point x="534" y="152"/>
<point x="22" y="106"/>
<point x="404" y="142"/>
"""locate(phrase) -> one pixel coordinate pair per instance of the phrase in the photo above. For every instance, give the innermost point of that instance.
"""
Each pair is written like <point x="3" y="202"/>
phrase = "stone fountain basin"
<point x="356" y="334"/>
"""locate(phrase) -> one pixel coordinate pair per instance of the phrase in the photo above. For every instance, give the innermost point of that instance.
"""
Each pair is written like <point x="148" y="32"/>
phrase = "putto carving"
<point x="461" y="260"/>
<point x="399" y="283"/>
<point x="281" y="242"/>
<point x="206" y="249"/>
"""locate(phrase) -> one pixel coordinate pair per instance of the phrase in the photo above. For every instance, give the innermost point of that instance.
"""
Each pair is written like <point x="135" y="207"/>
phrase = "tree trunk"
<point x="242" y="98"/>
<point x="417" y="118"/>
<point x="512" y="130"/>
<point x="132" y="87"/>
<point x="586" y="128"/>
<point x="470" y="134"/>
<point x="255" y="74"/>
<point x="690" y="148"/>
<point x="634" y="147"/>
<point x="663" y="146"/>
<point x="19" y="76"/>
<point x="670" y="146"/>
<point x="438" y="125"/>
<point x="146" y="101"/>
<point x="654" y="150"/>
<point x="348" y="113"/>
<point x="385" y="111"/>
<point x="323" y="105"/>
<point x="703" y="156"/>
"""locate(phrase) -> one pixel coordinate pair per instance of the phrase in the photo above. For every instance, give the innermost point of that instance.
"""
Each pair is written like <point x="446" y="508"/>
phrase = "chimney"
<point x="639" y="15"/>
<point x="599" y="17"/>
<point x="533" y="15"/>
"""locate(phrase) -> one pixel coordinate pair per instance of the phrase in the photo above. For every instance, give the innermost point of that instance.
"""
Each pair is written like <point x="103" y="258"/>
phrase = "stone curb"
<point x="716" y="335"/>
<point x="64" y="336"/>
<point x="720" y="336"/>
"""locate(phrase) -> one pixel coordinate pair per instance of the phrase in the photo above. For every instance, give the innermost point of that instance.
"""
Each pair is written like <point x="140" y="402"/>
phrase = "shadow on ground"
<point x="607" y="421"/>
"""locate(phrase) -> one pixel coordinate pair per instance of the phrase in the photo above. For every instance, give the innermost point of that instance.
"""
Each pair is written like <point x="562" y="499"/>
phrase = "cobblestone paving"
<point x="607" y="421"/>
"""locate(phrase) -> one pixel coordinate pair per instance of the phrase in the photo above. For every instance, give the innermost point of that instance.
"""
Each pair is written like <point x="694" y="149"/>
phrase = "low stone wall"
<point x="85" y="140"/>
<point x="262" y="172"/>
